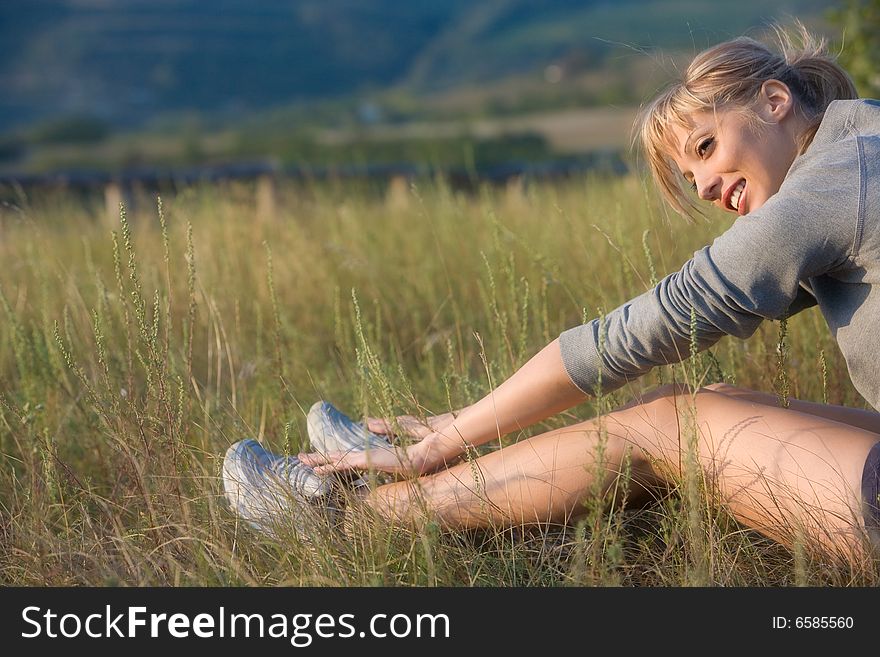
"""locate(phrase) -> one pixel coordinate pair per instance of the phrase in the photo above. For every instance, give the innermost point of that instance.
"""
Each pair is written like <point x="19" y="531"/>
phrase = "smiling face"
<point x="734" y="163"/>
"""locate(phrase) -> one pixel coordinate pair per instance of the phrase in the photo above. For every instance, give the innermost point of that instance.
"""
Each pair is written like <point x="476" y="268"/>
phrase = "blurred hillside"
<point x="110" y="83"/>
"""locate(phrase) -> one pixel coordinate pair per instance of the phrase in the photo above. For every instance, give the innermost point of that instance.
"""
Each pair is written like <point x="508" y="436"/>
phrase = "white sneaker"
<point x="331" y="430"/>
<point x="273" y="492"/>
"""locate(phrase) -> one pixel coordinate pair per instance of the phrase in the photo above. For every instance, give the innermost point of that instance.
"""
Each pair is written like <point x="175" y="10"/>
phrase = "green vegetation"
<point x="140" y="58"/>
<point x="291" y="150"/>
<point x="860" y="52"/>
<point x="146" y="84"/>
<point x="134" y="351"/>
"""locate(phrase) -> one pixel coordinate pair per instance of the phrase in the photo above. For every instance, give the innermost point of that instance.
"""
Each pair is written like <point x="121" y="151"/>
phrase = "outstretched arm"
<point x="539" y="389"/>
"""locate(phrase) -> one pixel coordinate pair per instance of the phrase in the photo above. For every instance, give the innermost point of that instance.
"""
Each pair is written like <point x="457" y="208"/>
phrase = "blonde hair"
<point x="730" y="76"/>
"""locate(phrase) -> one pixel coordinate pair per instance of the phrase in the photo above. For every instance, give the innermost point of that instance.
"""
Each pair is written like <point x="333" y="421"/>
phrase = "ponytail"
<point x="814" y="77"/>
<point x="820" y="79"/>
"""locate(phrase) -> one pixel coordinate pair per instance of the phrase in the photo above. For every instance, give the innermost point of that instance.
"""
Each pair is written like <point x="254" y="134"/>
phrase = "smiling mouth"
<point x="736" y="195"/>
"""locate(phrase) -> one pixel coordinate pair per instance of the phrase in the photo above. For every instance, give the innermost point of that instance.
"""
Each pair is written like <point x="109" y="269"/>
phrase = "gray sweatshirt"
<point x="817" y="240"/>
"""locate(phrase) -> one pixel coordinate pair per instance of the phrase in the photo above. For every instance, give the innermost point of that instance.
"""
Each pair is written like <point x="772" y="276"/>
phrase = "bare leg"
<point x="857" y="417"/>
<point x="779" y="471"/>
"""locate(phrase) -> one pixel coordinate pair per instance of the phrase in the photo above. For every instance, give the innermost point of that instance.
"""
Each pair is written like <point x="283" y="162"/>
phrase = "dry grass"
<point x="133" y="354"/>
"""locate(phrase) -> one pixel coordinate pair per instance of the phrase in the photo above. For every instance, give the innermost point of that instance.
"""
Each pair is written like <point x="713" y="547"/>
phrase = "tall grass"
<point x="134" y="352"/>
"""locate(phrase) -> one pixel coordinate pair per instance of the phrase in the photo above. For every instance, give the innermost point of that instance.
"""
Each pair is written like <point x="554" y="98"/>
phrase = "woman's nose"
<point x="709" y="188"/>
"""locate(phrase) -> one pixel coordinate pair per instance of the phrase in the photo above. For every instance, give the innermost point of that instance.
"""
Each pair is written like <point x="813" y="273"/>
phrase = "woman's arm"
<point x="539" y="389"/>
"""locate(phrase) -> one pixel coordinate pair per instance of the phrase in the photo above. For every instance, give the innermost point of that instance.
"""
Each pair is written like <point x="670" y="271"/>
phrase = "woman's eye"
<point x="704" y="146"/>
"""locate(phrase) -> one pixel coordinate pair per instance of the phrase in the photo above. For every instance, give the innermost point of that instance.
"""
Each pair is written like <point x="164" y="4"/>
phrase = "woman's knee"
<point x="679" y="389"/>
<point x="729" y="389"/>
<point x="667" y="391"/>
<point x="742" y="394"/>
<point x="707" y="400"/>
<point x="721" y="387"/>
<point x="673" y="391"/>
<point x="656" y="422"/>
<point x="674" y="397"/>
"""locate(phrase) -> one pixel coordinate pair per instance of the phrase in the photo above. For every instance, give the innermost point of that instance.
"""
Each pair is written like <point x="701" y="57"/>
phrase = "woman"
<point x="780" y="140"/>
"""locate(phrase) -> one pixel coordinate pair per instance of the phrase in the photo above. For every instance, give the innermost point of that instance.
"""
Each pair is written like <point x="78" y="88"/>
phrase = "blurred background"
<point x="140" y="88"/>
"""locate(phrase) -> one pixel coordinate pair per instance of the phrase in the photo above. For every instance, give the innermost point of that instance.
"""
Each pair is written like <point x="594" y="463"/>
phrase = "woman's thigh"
<point x="857" y="417"/>
<point x="781" y="471"/>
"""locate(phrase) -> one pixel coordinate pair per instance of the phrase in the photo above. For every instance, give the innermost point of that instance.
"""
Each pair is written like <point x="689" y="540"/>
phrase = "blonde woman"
<point x="777" y="137"/>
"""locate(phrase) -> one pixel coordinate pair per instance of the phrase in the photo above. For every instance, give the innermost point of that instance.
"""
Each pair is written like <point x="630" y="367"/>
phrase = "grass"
<point x="135" y="350"/>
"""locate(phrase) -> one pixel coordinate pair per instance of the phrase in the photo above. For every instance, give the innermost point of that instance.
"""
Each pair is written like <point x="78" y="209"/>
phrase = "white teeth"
<point x="734" y="197"/>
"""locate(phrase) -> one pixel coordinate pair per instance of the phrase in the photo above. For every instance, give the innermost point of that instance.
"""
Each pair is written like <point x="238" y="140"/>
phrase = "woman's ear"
<point x="775" y="101"/>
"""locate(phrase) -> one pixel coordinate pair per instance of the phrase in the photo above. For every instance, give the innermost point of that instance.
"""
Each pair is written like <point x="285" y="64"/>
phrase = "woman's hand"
<point x="423" y="457"/>
<point x="408" y="425"/>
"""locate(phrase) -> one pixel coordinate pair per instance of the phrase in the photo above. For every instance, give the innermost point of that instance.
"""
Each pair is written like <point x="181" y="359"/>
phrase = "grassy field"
<point x="134" y="352"/>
